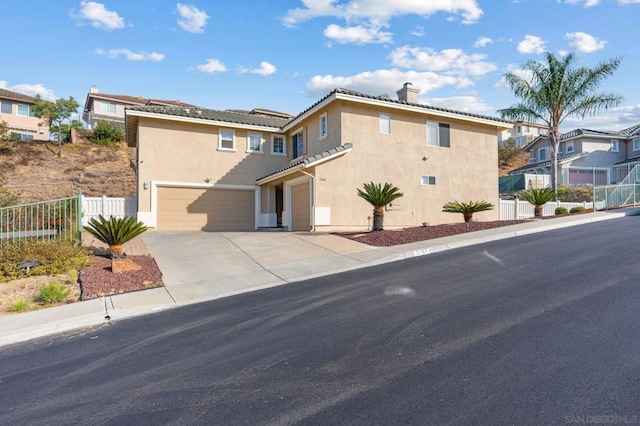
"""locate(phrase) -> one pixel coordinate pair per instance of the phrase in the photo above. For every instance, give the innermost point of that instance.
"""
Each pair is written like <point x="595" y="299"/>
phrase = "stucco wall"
<point x="27" y="125"/>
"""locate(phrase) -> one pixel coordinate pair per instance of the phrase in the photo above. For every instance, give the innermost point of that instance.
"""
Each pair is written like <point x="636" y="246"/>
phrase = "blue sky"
<point x="286" y="54"/>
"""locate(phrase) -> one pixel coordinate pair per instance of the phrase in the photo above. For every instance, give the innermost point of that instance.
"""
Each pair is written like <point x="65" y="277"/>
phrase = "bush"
<point x="22" y="305"/>
<point x="560" y="211"/>
<point x="54" y="257"/>
<point x="467" y="209"/>
<point x="575" y="194"/>
<point x="577" y="210"/>
<point x="107" y="133"/>
<point x="54" y="292"/>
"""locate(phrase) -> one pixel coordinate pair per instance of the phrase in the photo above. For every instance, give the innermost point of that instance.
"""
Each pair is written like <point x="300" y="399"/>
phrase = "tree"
<point x="467" y="209"/>
<point x="379" y="196"/>
<point x="55" y="113"/>
<point x="66" y="129"/>
<point x="538" y="198"/>
<point x="555" y="91"/>
<point x="508" y="152"/>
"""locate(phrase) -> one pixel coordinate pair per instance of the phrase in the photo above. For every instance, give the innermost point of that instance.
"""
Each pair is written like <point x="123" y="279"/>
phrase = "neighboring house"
<point x="587" y="156"/>
<point x="16" y="110"/>
<point x="522" y="133"/>
<point x="239" y="170"/>
<point x="108" y="107"/>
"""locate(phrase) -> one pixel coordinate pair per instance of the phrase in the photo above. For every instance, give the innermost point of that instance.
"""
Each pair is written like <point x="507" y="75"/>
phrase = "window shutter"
<point x="444" y="135"/>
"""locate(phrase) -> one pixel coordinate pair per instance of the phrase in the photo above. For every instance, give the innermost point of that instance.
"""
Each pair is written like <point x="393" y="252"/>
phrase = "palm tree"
<point x="554" y="90"/>
<point x="115" y="231"/>
<point x="379" y="196"/>
<point x="538" y="197"/>
<point x="467" y="209"/>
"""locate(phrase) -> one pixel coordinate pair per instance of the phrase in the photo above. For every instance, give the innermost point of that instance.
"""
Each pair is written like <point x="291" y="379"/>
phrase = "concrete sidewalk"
<point x="200" y="266"/>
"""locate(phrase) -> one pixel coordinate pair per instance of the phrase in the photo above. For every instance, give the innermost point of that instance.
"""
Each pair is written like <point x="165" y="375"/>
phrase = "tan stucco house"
<point x="243" y="170"/>
<point x="16" y="110"/>
<point x="110" y="107"/>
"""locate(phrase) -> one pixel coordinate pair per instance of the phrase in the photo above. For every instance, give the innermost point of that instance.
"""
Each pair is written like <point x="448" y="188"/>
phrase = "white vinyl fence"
<point x="107" y="206"/>
<point x="519" y="209"/>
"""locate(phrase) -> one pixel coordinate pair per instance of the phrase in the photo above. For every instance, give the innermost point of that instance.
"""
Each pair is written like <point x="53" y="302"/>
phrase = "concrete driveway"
<point x="199" y="266"/>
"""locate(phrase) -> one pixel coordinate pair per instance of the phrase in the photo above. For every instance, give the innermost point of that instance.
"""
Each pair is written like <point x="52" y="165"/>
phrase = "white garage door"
<point x="205" y="209"/>
<point x="300" y="208"/>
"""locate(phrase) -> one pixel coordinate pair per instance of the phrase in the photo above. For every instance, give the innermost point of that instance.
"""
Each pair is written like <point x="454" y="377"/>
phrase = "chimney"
<point x="408" y="94"/>
<point x="94" y="89"/>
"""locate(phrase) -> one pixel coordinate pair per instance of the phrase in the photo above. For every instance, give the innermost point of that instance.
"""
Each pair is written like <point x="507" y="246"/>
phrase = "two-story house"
<point x="235" y="170"/>
<point x="109" y="107"/>
<point x="587" y="156"/>
<point x="16" y="110"/>
<point x="522" y="133"/>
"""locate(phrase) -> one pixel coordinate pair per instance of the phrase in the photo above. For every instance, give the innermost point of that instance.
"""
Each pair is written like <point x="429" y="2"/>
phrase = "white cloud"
<point x="517" y="70"/>
<point x="211" y="66"/>
<point x="462" y="103"/>
<point x="364" y="18"/>
<point x="450" y="61"/>
<point x="482" y="42"/>
<point x="629" y="1"/>
<point x="30" y="90"/>
<point x="99" y="16"/>
<point x="384" y="82"/>
<point x="192" y="19"/>
<point x="358" y="34"/>
<point x="418" y="31"/>
<point x="531" y="44"/>
<point x="131" y="56"/>
<point x="584" y="42"/>
<point x="265" y="69"/>
<point x="612" y="119"/>
<point x="587" y="3"/>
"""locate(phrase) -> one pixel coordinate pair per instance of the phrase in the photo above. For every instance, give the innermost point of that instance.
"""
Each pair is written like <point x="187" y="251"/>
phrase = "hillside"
<point x="519" y="161"/>
<point x="33" y="172"/>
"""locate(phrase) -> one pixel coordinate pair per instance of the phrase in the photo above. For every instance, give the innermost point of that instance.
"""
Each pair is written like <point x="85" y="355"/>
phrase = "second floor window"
<point x="108" y="107"/>
<point x="6" y="107"/>
<point x="542" y="154"/>
<point x="438" y="134"/>
<point x="254" y="142"/>
<point x="570" y="147"/>
<point x="297" y="144"/>
<point x="385" y="123"/>
<point x="226" y="140"/>
<point x="277" y="145"/>
<point x="614" y="146"/>
<point x="323" y="126"/>
<point x="26" y="110"/>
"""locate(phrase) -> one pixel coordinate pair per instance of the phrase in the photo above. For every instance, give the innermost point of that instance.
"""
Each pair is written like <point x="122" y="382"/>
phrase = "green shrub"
<point x="575" y="194"/>
<point x="467" y="209"/>
<point x="561" y="210"/>
<point x="54" y="292"/>
<point x="54" y="257"/>
<point x="73" y="276"/>
<point x="577" y="210"/>
<point x="22" y="305"/>
<point x="107" y="133"/>
<point x="115" y="231"/>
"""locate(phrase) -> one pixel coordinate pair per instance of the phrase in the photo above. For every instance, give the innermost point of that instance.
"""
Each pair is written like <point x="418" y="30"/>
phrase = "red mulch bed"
<point x="420" y="233"/>
<point x="98" y="280"/>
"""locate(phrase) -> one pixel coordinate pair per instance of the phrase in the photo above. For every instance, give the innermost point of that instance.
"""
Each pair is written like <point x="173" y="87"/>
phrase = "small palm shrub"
<point x="577" y="210"/>
<point x="379" y="196"/>
<point x="561" y="211"/>
<point x="467" y="209"/>
<point x="115" y="231"/>
<point x="54" y="292"/>
<point x="538" y="197"/>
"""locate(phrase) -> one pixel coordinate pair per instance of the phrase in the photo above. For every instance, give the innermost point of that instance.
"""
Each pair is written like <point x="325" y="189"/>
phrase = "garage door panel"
<point x="300" y="208"/>
<point x="207" y="209"/>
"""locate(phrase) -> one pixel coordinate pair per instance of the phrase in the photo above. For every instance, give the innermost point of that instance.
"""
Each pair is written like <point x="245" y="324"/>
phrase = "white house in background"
<point x="109" y="107"/>
<point x="522" y="132"/>
<point x="587" y="156"/>
<point x="16" y="110"/>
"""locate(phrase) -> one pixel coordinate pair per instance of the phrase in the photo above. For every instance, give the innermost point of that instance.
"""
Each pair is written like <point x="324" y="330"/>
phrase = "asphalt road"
<point x="542" y="329"/>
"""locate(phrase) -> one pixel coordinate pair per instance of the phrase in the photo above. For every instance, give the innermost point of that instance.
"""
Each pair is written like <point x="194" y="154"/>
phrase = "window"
<point x="108" y="107"/>
<point x="521" y="141"/>
<point x="298" y="144"/>
<point x="385" y="123"/>
<point x="636" y="144"/>
<point x="614" y="145"/>
<point x="254" y="142"/>
<point x="427" y="180"/>
<point x="26" y="110"/>
<point x="323" y="126"/>
<point x="226" y="140"/>
<point x="569" y="146"/>
<point x="438" y="134"/>
<point x="21" y="136"/>
<point x="5" y="107"/>
<point x="542" y="154"/>
<point x="278" y="144"/>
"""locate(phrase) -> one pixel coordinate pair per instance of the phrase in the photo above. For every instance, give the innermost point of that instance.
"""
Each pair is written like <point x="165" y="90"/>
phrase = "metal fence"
<point x="49" y="220"/>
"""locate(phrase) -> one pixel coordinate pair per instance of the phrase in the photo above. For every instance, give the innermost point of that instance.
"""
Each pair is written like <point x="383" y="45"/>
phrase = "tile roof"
<point x="8" y="94"/>
<point x="313" y="159"/>
<point x="542" y="164"/>
<point x="628" y="160"/>
<point x="386" y="98"/>
<point x="235" y="117"/>
<point x="138" y="100"/>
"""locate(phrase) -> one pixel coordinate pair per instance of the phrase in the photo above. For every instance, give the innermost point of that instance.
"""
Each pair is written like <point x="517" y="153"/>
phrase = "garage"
<point x="300" y="207"/>
<point x="205" y="209"/>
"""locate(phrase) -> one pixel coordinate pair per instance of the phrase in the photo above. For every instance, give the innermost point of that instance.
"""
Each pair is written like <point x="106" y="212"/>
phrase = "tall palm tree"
<point x="538" y="197"/>
<point x="554" y="90"/>
<point x="379" y="196"/>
